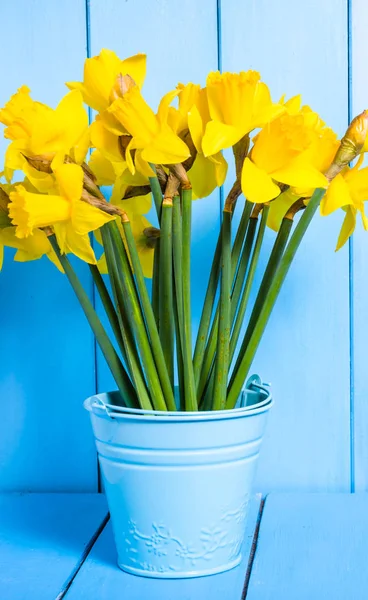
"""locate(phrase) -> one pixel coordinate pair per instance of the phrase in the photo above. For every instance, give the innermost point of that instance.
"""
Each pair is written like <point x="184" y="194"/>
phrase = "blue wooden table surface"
<point x="297" y="547"/>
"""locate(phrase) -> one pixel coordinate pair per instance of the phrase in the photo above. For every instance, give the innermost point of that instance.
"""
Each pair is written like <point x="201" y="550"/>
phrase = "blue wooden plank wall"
<point x="314" y="351"/>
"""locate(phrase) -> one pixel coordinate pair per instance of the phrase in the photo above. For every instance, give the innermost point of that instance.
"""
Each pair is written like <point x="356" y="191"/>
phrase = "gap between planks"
<point x="253" y="549"/>
<point x="83" y="558"/>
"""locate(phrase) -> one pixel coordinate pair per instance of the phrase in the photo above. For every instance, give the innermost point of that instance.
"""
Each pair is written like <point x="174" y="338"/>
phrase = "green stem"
<point x="190" y="391"/>
<point x="156" y="283"/>
<point x="207" y="384"/>
<point x="178" y="294"/>
<point x="243" y="267"/>
<point x="273" y="262"/>
<point x="179" y="353"/>
<point x="108" y="306"/>
<point x="236" y="273"/>
<point x="156" y="192"/>
<point x="222" y="353"/>
<point x="209" y="301"/>
<point x="157" y="197"/>
<point x="120" y="375"/>
<point x="249" y="281"/>
<point x="135" y="317"/>
<point x="149" y="318"/>
<point x="132" y="358"/>
<point x="273" y="292"/>
<point x="166" y="289"/>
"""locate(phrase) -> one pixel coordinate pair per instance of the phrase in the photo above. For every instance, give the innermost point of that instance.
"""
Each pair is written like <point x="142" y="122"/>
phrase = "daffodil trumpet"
<point x="85" y="190"/>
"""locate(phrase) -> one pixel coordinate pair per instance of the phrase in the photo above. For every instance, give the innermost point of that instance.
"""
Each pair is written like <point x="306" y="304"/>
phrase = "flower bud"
<point x="351" y="144"/>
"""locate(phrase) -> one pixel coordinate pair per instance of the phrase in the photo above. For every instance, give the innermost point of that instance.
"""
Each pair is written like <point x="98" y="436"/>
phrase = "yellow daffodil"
<point x="100" y="73"/>
<point x="281" y="153"/>
<point x="19" y="114"/>
<point x="192" y="114"/>
<point x="31" y="248"/>
<point x="37" y="129"/>
<point x="348" y="190"/>
<point x="70" y="218"/>
<point x="238" y="103"/>
<point x="152" y="138"/>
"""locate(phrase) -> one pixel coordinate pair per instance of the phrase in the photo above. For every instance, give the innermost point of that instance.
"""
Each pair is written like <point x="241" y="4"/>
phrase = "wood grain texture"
<point x="359" y="274"/>
<point x="311" y="546"/>
<point x="180" y="39"/>
<point x="42" y="541"/>
<point x="101" y="579"/>
<point x="46" y="347"/>
<point x="305" y="351"/>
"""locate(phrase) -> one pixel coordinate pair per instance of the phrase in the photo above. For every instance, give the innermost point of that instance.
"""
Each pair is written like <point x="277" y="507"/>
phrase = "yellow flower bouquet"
<point x="181" y="427"/>
<point x="286" y="161"/>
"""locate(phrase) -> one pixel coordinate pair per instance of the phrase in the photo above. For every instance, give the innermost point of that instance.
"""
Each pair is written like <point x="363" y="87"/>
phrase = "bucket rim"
<point x="97" y="406"/>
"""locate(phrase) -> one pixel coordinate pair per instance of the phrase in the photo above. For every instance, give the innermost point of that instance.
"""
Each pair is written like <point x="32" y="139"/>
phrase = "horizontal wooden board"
<point x="43" y="539"/>
<point x="312" y="546"/>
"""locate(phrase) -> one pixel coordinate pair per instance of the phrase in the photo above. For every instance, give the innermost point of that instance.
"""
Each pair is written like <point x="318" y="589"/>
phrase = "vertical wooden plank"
<point x="301" y="47"/>
<point x="46" y="348"/>
<point x="180" y="39"/>
<point x="359" y="263"/>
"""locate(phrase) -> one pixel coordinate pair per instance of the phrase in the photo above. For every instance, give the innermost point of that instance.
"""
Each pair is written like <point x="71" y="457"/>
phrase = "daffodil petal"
<point x="347" y="228"/>
<point x="142" y="166"/>
<point x="105" y="141"/>
<point x="279" y="208"/>
<point x="202" y="176"/>
<point x="196" y="128"/>
<point x="145" y="252"/>
<point x="69" y="178"/>
<point x="257" y="185"/>
<point x="166" y="147"/>
<point x="163" y="108"/>
<point x="135" y="66"/>
<point x="219" y="136"/>
<point x="86" y="218"/>
<point x="337" y="196"/>
<point x="102" y="168"/>
<point x="221" y="167"/>
<point x="79" y="245"/>
<point x="299" y="174"/>
<point x="102" y="264"/>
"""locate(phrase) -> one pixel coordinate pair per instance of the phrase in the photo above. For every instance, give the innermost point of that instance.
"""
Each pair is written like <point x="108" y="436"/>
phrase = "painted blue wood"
<point x="180" y="39"/>
<point x="43" y="539"/>
<point x="359" y="273"/>
<point x="302" y="47"/>
<point x="311" y="546"/>
<point x="101" y="579"/>
<point x="46" y="347"/>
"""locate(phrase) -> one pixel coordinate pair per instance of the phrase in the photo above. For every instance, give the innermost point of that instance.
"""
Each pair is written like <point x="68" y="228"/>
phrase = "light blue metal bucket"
<point x="178" y="484"/>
